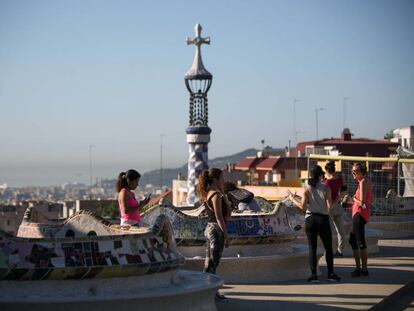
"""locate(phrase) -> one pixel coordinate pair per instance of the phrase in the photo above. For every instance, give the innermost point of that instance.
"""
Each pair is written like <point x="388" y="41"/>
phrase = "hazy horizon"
<point x="111" y="74"/>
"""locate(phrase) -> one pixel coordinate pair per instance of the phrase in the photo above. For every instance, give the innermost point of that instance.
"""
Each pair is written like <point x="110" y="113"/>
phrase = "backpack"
<point x="240" y="195"/>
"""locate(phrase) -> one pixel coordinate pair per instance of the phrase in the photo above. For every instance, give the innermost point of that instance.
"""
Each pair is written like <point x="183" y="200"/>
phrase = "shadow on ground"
<point x="390" y="269"/>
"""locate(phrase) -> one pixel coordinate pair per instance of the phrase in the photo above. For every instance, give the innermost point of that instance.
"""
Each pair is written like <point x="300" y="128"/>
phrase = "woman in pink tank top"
<point x="129" y="206"/>
<point x="360" y="217"/>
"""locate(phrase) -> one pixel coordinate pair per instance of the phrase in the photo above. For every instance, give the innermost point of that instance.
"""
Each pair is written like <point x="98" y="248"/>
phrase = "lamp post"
<point x="295" y="136"/>
<point x="161" y="169"/>
<point x="317" y="121"/>
<point x="344" y="111"/>
<point x="90" y="164"/>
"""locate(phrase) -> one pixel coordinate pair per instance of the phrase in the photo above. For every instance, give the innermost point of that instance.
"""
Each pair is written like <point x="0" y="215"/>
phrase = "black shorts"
<point x="357" y="235"/>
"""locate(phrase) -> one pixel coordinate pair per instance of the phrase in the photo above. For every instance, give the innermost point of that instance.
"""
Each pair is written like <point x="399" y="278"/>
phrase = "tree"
<point x="389" y="135"/>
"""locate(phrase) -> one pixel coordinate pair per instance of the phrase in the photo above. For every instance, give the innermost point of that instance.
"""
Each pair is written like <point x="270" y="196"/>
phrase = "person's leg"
<point x="311" y="230"/>
<point x="340" y="230"/>
<point x="213" y="249"/>
<point x="364" y="259"/>
<point x="357" y="257"/>
<point x="326" y="236"/>
<point x="208" y="261"/>
<point x="362" y="244"/>
<point x="355" y="247"/>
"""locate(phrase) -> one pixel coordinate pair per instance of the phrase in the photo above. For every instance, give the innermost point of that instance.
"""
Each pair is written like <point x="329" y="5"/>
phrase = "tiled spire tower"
<point x="198" y="81"/>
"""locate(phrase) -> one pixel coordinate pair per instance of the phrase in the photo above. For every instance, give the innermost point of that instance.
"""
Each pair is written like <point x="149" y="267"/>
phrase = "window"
<point x="69" y="233"/>
<point x="91" y="233"/>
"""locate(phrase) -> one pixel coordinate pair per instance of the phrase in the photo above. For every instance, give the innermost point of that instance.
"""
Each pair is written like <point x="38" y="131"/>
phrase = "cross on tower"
<point x="198" y="40"/>
<point x="197" y="70"/>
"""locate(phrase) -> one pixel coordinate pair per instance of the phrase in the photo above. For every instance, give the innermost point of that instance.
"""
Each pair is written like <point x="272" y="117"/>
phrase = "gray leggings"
<point x="214" y="247"/>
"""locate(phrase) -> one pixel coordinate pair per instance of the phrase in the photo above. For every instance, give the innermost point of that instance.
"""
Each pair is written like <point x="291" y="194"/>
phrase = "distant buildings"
<point x="12" y="215"/>
<point x="346" y="145"/>
<point x="271" y="170"/>
<point x="404" y="136"/>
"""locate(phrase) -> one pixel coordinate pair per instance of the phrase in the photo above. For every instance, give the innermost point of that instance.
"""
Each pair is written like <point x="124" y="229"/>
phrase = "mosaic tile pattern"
<point x="89" y="257"/>
<point x="242" y="229"/>
<point x="197" y="162"/>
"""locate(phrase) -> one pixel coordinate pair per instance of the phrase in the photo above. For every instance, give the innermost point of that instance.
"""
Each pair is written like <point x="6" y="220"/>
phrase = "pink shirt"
<point x="356" y="208"/>
<point x="134" y="217"/>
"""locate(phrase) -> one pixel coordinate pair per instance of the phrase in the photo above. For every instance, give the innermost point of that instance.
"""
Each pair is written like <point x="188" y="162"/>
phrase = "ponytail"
<point x="124" y="178"/>
<point x="315" y="175"/>
<point x="312" y="182"/>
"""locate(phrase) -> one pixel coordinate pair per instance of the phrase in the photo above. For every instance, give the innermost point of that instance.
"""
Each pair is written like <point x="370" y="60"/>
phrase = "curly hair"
<point x="205" y="179"/>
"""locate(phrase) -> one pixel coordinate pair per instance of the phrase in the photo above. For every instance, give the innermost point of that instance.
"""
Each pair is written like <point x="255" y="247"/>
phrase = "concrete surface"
<point x="390" y="270"/>
<point x="260" y="267"/>
<point x="173" y="290"/>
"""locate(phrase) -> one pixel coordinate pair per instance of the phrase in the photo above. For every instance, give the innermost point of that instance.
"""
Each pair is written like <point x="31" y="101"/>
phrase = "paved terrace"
<point x="390" y="286"/>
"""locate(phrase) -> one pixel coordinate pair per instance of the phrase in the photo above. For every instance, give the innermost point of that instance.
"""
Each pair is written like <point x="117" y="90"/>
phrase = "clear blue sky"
<point x="110" y="74"/>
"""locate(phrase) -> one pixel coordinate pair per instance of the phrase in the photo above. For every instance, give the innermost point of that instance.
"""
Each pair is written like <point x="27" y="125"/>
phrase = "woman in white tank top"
<point x="317" y="201"/>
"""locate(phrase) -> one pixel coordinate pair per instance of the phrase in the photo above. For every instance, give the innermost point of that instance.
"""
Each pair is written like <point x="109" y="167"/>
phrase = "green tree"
<point x="389" y="135"/>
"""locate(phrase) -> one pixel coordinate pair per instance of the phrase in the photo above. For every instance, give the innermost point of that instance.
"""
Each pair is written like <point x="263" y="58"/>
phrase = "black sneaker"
<point x="313" y="279"/>
<point x="338" y="254"/>
<point x="332" y="277"/>
<point x="356" y="273"/>
<point x="220" y="296"/>
<point x="364" y="273"/>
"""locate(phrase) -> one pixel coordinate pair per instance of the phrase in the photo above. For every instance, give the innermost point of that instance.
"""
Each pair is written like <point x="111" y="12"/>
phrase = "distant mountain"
<point x="153" y="177"/>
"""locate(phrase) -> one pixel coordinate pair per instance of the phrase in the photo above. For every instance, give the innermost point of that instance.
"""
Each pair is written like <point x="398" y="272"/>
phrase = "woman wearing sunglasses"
<point x="360" y="217"/>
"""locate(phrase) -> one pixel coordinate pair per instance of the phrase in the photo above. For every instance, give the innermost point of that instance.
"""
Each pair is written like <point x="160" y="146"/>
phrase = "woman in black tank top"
<point x="210" y="190"/>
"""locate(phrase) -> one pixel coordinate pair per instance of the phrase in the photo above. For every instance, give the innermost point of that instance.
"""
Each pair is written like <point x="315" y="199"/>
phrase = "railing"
<point x="393" y="190"/>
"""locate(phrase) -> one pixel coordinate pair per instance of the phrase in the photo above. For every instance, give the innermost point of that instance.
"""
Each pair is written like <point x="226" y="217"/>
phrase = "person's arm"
<point x="216" y="201"/>
<point x="144" y="202"/>
<point x="328" y="198"/>
<point x="123" y="202"/>
<point x="300" y="203"/>
<point x="228" y="209"/>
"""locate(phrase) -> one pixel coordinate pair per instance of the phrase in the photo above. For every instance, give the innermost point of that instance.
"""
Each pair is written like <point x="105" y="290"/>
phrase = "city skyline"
<point x="111" y="74"/>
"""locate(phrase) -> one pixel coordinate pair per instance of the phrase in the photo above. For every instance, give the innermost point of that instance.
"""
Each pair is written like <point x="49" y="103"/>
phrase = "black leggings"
<point x="214" y="247"/>
<point x="318" y="224"/>
<point x="357" y="235"/>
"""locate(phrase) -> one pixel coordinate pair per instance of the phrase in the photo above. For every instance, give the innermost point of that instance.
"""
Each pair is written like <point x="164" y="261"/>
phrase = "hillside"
<point x="153" y="177"/>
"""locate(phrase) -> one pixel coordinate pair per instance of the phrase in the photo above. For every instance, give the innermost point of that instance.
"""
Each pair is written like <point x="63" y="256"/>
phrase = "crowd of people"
<point x="322" y="202"/>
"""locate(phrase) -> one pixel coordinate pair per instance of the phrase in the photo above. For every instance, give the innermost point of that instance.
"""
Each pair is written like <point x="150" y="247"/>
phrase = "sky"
<point x="110" y="74"/>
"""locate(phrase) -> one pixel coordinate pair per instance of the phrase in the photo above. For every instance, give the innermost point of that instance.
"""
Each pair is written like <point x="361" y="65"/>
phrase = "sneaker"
<point x="356" y="273"/>
<point x="364" y="273"/>
<point x="332" y="277"/>
<point x="220" y="296"/>
<point x="313" y="279"/>
<point x="338" y="254"/>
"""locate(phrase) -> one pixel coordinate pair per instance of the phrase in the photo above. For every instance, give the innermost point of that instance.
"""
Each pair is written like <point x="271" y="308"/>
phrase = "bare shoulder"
<point x="122" y="193"/>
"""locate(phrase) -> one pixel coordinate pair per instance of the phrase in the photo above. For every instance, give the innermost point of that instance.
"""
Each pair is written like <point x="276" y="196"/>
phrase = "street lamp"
<point x="317" y="121"/>
<point x="344" y="112"/>
<point x="161" y="169"/>
<point x="90" y="163"/>
<point x="295" y="141"/>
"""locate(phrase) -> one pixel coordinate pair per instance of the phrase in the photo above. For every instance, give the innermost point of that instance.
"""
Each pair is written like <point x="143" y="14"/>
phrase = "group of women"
<point x="321" y="196"/>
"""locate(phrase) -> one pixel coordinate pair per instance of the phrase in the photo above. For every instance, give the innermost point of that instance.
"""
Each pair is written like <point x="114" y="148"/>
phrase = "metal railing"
<point x="390" y="185"/>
